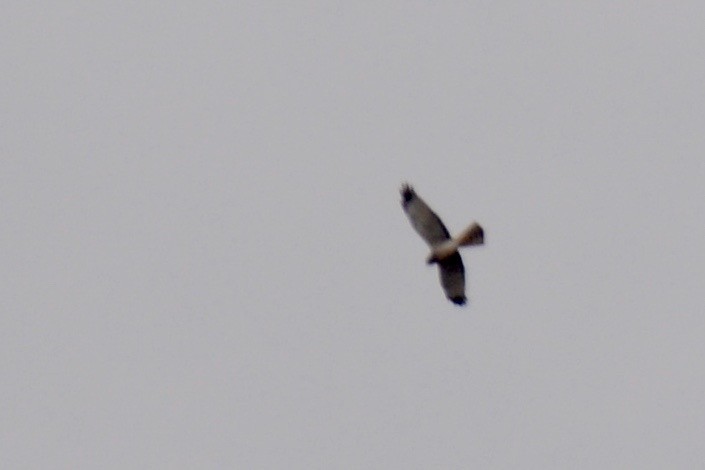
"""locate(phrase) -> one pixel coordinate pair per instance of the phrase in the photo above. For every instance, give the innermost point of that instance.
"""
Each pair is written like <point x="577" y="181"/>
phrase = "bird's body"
<point x="442" y="251"/>
<point x="444" y="248"/>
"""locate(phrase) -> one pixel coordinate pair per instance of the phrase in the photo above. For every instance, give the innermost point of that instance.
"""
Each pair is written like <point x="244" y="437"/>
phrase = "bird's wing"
<point x="422" y="218"/>
<point x="452" y="274"/>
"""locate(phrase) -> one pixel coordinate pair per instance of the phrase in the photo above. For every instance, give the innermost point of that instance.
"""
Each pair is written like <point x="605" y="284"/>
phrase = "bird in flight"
<point x="444" y="248"/>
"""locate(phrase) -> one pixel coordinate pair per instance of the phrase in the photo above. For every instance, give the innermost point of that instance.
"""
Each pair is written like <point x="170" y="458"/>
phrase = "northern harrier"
<point x="444" y="249"/>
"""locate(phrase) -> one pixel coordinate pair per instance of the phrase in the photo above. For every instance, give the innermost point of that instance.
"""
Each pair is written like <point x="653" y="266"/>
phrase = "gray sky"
<point x="205" y="264"/>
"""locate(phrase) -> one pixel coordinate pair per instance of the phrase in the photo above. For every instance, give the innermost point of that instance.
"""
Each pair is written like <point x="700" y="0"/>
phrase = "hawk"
<point x="444" y="249"/>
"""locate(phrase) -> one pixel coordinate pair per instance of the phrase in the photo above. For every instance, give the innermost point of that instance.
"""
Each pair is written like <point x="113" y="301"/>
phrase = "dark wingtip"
<point x="407" y="192"/>
<point x="458" y="300"/>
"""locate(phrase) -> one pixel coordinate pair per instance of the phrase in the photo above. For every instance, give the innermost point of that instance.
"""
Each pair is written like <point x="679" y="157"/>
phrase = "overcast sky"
<point x="205" y="264"/>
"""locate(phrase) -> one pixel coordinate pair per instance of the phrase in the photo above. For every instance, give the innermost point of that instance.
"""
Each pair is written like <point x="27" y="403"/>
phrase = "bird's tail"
<point x="473" y="235"/>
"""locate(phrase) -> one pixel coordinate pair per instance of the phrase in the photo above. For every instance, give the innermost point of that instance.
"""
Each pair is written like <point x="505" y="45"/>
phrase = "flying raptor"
<point x="444" y="248"/>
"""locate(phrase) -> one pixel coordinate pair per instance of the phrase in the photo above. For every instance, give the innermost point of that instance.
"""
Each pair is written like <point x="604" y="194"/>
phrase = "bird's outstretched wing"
<point x="422" y="218"/>
<point x="450" y="269"/>
<point x="452" y="274"/>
